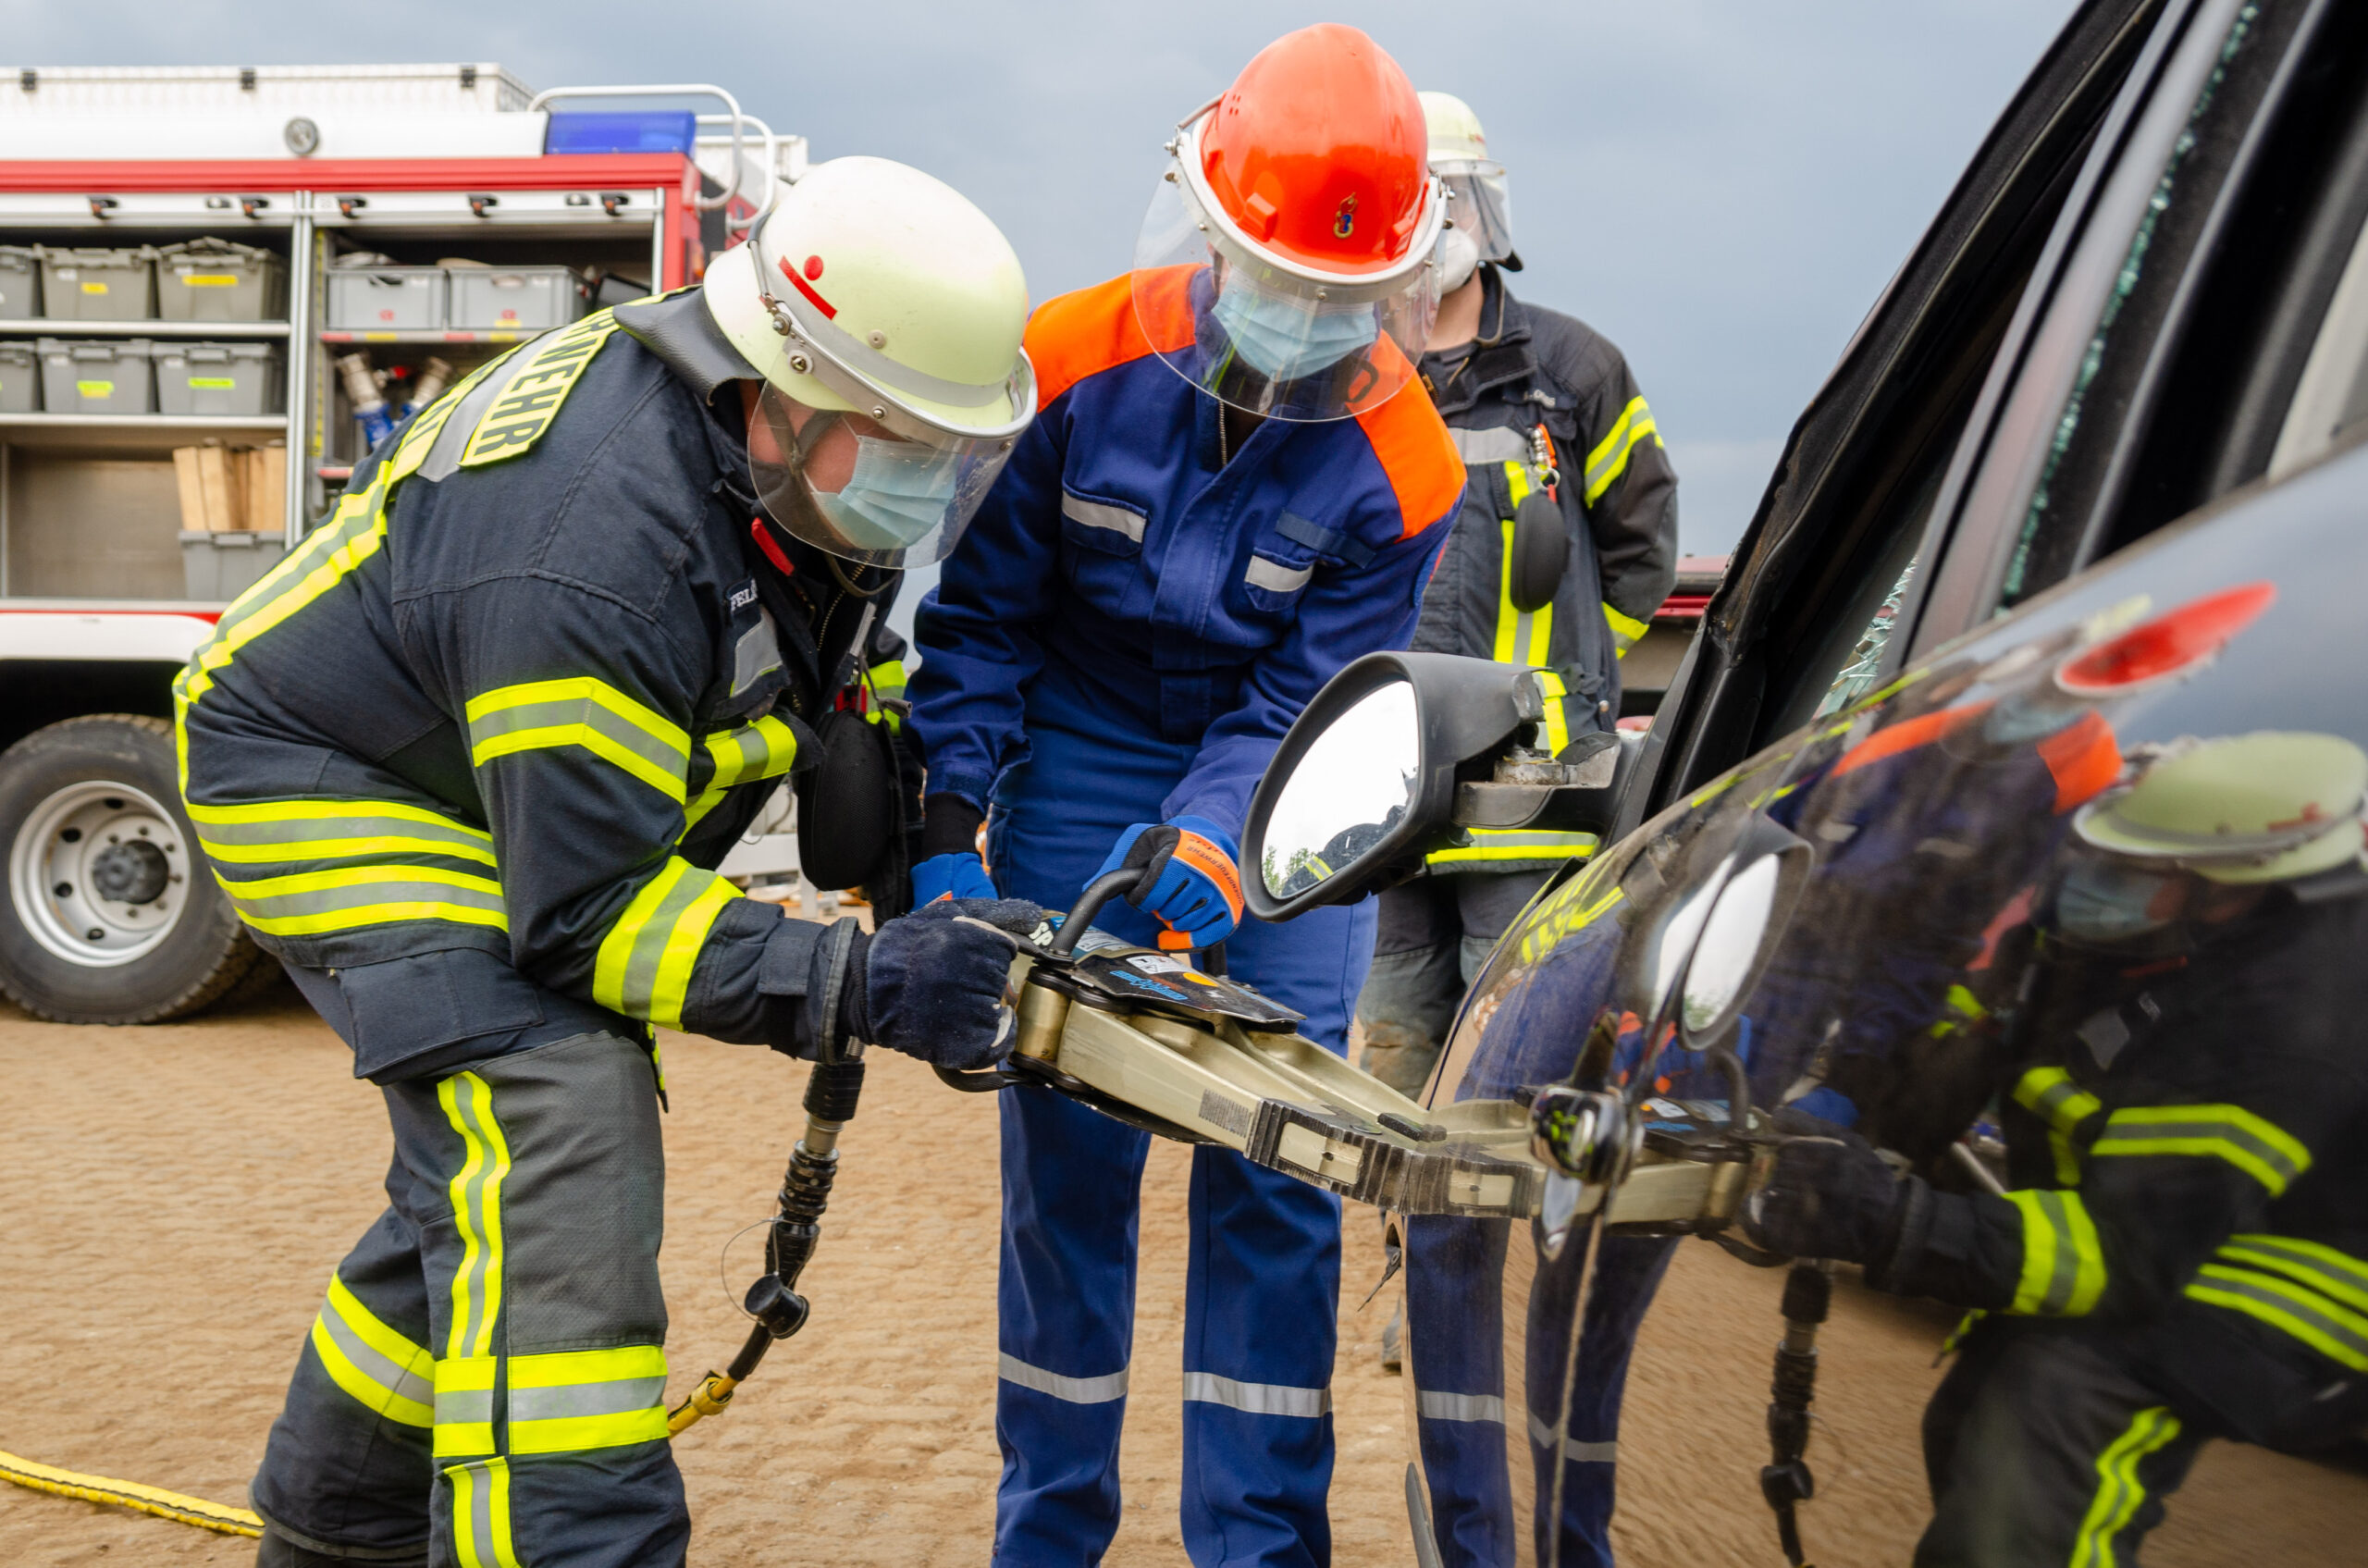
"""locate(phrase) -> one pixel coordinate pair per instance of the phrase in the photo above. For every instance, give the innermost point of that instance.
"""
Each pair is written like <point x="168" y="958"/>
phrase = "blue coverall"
<point x="1124" y="635"/>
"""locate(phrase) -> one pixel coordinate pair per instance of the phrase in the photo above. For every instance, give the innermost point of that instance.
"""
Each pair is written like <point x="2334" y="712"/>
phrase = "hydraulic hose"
<point x="1785" y="1480"/>
<point x="833" y="1090"/>
<point x="216" y="1516"/>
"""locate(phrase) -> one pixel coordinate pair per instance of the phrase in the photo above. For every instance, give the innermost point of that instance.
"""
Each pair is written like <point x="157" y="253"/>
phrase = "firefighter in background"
<point x="466" y="762"/>
<point x="2183" y="1251"/>
<point x="1235" y="488"/>
<point x="1566" y="544"/>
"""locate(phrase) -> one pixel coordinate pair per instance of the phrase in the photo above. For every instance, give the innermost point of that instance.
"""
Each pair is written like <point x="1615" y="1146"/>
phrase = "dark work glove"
<point x="931" y="984"/>
<point x="1828" y="1196"/>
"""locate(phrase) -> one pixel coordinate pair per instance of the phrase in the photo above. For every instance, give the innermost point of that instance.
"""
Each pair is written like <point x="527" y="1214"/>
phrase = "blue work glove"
<point x="951" y="876"/>
<point x="931" y="984"/>
<point x="1189" y="880"/>
<point x="1829" y="1195"/>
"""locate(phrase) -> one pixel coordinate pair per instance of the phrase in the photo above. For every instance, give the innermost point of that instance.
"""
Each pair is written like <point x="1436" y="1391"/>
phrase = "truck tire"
<point x="110" y="915"/>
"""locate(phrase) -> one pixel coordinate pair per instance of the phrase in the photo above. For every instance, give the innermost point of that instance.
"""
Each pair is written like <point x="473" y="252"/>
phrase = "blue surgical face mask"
<point x="898" y="491"/>
<point x="1281" y="341"/>
<point x="2101" y="902"/>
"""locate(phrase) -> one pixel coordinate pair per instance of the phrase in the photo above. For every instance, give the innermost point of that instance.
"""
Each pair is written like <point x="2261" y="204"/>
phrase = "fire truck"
<point x="217" y="287"/>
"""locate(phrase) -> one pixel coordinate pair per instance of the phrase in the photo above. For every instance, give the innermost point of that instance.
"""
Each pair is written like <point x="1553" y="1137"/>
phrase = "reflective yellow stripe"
<point x="307" y="902"/>
<point x="888" y="678"/>
<point x="2063" y="1266"/>
<point x="644" y="966"/>
<point x="353" y="535"/>
<point x="581" y="711"/>
<point x="1566" y="910"/>
<point x="578" y="1400"/>
<point x="2322" y="1267"/>
<point x="1625" y="630"/>
<point x="329" y="830"/>
<point x="1609" y="458"/>
<point x="2049" y="1095"/>
<point x="1557" y="722"/>
<point x="2320" y="1322"/>
<point x="1513" y="843"/>
<point x="477" y="1212"/>
<point x="481" y="1514"/>
<point x="1523" y="637"/>
<point x="765" y="749"/>
<point x="2119" y="1492"/>
<point x="464" y="1406"/>
<point x="2253" y="1144"/>
<point x="531" y="399"/>
<point x="379" y="1367"/>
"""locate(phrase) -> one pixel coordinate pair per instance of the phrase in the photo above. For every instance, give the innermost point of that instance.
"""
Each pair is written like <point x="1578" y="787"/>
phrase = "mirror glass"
<point x="1345" y="793"/>
<point x="1685" y="923"/>
<point x="1730" y="944"/>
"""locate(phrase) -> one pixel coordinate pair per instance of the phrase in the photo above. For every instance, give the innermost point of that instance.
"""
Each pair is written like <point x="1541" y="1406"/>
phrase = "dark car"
<point x="1985" y="906"/>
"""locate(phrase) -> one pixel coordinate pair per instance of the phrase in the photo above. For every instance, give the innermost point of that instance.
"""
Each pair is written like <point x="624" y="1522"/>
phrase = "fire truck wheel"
<point x="111" y="916"/>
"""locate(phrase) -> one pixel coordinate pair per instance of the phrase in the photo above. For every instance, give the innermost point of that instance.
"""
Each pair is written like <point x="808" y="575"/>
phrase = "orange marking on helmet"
<point x="1090" y="330"/>
<point x="2084" y="760"/>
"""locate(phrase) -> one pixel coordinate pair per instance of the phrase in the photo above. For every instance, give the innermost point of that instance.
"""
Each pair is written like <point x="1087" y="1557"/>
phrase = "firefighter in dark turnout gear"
<point x="466" y="762"/>
<point x="2182" y="1252"/>
<point x="1565" y="465"/>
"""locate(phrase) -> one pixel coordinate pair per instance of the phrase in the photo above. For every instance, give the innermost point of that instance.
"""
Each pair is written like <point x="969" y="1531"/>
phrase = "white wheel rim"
<point x="70" y="864"/>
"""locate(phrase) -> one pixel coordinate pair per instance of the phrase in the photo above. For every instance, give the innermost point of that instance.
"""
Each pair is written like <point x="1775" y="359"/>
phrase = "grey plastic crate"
<point x="223" y="566"/>
<point x="385" y="299"/>
<point x="514" y="299"/>
<point x="19" y="379"/>
<point x="97" y="377"/>
<point x="20" y="283"/>
<point x="88" y="284"/>
<point x="217" y="378"/>
<point x="213" y="279"/>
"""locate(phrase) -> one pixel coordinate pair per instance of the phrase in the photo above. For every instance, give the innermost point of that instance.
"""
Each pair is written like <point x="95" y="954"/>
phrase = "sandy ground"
<point x="175" y="1197"/>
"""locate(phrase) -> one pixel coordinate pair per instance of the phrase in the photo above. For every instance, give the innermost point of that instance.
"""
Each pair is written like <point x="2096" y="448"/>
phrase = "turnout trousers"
<point x="1434" y="934"/>
<point x="485" y="1385"/>
<point x="1263" y="1274"/>
<point x="2043" y="1446"/>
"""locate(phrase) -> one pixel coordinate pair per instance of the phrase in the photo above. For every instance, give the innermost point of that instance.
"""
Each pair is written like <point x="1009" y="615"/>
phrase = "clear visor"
<point x="1482" y="204"/>
<point x="1266" y="339"/>
<point x="864" y="492"/>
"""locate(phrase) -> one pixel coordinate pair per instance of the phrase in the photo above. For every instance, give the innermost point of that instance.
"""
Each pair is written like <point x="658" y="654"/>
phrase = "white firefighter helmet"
<point x="2267" y="807"/>
<point x="1482" y="205"/>
<point x="884" y="312"/>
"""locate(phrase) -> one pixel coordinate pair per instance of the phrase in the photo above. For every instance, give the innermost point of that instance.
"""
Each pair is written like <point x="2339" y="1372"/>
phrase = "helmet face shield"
<point x="863" y="490"/>
<point x="891" y="477"/>
<point x="1267" y="334"/>
<point x="1482" y="205"/>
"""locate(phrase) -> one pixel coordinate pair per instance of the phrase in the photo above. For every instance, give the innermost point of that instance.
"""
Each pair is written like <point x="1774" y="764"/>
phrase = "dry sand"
<point x="175" y="1198"/>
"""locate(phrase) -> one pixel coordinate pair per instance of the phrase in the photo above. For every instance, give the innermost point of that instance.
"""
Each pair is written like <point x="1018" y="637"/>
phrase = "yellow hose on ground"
<point x="130" y="1494"/>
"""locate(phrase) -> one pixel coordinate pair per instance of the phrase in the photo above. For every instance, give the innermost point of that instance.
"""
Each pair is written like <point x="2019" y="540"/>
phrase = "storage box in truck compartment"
<point x="514" y="299"/>
<point x="223" y="566"/>
<point x="20" y="283"/>
<point x="19" y="379"/>
<point x="213" y="279"/>
<point x="385" y="299"/>
<point x="83" y="283"/>
<point x="97" y="377"/>
<point x="232" y="379"/>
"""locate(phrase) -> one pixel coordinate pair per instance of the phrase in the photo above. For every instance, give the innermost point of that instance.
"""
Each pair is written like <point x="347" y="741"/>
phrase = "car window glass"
<point x="2331" y="403"/>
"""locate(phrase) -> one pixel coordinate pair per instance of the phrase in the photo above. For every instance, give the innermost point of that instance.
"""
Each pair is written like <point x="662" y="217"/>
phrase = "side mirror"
<point x="1392" y="756"/>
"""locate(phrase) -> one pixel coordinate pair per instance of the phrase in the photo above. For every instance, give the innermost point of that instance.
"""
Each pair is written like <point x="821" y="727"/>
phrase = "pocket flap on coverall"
<point x="405" y="1007"/>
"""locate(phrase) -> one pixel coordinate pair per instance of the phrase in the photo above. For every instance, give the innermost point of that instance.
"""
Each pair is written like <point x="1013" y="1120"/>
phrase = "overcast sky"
<point x="1722" y="187"/>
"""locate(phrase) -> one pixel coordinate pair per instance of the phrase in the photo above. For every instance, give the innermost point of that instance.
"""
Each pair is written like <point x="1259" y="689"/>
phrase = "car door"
<point x="2171" y="306"/>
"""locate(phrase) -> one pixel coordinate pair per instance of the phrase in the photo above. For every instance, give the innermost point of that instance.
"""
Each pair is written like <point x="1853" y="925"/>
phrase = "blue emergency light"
<point x="642" y="131"/>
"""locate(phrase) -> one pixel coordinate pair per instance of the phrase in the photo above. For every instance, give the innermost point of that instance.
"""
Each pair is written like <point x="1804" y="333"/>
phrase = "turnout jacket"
<point x="1542" y="392"/>
<point x="509" y="705"/>
<point x="1125" y="574"/>
<point x="2188" y="1159"/>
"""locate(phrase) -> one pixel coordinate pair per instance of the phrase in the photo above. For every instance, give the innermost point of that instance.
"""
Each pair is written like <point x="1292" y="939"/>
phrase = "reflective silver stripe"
<point x="1573" y="1450"/>
<point x="375" y="1363"/>
<point x="618" y="1397"/>
<point x="1435" y="1406"/>
<point x="1097" y="515"/>
<point x="1501" y="444"/>
<point x="1076" y="1391"/>
<point x="1257" y="1399"/>
<point x="328" y="829"/>
<point x="374" y="893"/>
<point x="1276" y="577"/>
<point x="2237" y="1137"/>
<point x="757" y="654"/>
<point x="648" y="955"/>
<point x="458" y="1407"/>
<point x="2336" y="1274"/>
<point x="571" y="712"/>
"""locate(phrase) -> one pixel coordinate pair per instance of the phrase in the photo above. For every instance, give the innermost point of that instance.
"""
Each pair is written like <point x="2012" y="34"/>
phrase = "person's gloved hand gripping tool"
<point x="929" y="985"/>
<point x="1190" y="879"/>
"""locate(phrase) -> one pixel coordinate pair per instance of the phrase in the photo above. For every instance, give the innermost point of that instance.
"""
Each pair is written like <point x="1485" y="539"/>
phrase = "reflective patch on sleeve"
<point x="2253" y="1144"/>
<point x="644" y="966"/>
<point x="1608" y="461"/>
<point x="581" y="711"/>
<point x="2063" y="1266"/>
